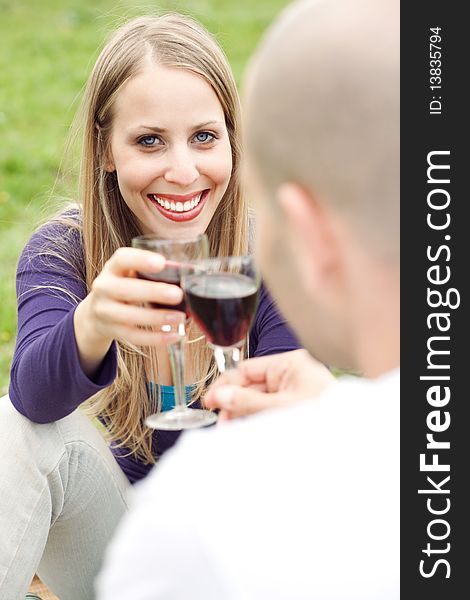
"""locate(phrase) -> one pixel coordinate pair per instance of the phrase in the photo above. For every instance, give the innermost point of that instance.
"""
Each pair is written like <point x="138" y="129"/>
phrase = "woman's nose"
<point x="181" y="168"/>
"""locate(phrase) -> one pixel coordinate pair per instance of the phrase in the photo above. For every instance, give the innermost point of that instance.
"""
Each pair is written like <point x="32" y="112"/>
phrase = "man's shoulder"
<point x="291" y="490"/>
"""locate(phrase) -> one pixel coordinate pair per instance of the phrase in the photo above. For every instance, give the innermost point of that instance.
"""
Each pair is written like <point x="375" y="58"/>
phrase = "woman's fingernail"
<point x="174" y="324"/>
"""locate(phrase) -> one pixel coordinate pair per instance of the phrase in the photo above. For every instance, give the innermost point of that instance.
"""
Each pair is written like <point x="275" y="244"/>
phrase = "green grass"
<point x="46" y="51"/>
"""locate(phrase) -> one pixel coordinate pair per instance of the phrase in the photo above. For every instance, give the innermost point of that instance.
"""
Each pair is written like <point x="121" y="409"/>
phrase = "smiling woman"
<point x="160" y="125"/>
<point x="174" y="174"/>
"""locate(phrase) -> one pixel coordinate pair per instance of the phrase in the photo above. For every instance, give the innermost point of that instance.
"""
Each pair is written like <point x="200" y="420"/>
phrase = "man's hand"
<point x="268" y="382"/>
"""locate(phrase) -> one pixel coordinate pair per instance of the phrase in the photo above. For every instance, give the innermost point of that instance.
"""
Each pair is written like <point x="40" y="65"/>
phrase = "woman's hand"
<point x="117" y="307"/>
<point x="268" y="382"/>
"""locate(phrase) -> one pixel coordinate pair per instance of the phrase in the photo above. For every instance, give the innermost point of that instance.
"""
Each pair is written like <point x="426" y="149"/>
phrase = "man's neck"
<point x="377" y="324"/>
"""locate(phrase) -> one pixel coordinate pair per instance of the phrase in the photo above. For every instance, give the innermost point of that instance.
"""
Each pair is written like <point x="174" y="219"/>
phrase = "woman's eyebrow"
<point x="152" y="128"/>
<point x="199" y="126"/>
<point x="207" y="124"/>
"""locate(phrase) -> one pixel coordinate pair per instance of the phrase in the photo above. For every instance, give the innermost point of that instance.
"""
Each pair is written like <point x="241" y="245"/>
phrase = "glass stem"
<point x="176" y="353"/>
<point x="226" y="358"/>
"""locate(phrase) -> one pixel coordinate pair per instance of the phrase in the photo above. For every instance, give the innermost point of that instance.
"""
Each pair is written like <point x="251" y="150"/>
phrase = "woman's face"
<point x="171" y="151"/>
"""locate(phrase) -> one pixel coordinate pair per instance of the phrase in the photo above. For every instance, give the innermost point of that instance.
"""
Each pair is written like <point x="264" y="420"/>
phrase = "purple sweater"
<point x="47" y="382"/>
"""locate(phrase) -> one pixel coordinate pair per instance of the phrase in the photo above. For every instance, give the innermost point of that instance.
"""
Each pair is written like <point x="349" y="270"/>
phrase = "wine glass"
<point x="176" y="253"/>
<point x="222" y="297"/>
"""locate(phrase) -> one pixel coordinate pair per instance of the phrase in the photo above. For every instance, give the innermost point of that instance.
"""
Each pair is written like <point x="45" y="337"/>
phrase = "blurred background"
<point x="46" y="52"/>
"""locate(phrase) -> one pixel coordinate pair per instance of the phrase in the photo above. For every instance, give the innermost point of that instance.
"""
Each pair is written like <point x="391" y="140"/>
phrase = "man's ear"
<point x="311" y="232"/>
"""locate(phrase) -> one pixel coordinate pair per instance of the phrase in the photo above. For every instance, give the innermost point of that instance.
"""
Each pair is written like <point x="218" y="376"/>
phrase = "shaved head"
<point x="322" y="131"/>
<point x="322" y="110"/>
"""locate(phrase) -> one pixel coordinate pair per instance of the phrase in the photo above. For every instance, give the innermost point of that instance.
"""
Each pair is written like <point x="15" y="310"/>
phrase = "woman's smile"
<point x="179" y="207"/>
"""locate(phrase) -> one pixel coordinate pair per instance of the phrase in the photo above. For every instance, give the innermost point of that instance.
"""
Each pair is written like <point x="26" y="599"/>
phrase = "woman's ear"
<point x="311" y="232"/>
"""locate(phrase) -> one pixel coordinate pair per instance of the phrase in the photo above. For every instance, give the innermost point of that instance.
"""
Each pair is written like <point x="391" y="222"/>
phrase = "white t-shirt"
<point x="296" y="503"/>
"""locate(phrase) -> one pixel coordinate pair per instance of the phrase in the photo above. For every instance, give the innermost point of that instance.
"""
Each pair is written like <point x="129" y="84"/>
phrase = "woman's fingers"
<point x="126" y="260"/>
<point x="122" y="306"/>
<point x="111" y="312"/>
<point x="130" y="289"/>
<point x="144" y="337"/>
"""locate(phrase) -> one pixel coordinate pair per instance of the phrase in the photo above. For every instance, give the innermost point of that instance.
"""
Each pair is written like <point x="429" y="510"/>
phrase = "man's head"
<point x="322" y="130"/>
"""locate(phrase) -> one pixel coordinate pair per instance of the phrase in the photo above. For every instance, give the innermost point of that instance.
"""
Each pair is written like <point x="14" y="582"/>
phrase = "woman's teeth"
<point x="177" y="206"/>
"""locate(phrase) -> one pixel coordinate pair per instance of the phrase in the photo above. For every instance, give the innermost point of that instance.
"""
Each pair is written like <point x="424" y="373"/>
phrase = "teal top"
<point x="168" y="395"/>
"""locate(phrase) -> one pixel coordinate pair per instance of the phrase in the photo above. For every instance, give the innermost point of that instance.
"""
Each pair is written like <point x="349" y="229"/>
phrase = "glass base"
<point x="181" y="418"/>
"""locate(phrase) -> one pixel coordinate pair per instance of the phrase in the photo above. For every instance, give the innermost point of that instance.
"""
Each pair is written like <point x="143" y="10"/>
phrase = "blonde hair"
<point x="174" y="41"/>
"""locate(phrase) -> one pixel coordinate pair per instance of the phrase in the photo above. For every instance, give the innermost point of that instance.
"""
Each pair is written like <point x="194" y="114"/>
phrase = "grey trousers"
<point x="62" y="495"/>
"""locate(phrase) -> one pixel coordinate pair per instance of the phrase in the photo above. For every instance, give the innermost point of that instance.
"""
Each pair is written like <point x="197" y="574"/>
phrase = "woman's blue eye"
<point x="204" y="136"/>
<point x="148" y="140"/>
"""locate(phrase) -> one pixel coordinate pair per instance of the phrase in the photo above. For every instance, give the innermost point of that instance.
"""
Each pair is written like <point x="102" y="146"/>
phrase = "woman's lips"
<point x="177" y="204"/>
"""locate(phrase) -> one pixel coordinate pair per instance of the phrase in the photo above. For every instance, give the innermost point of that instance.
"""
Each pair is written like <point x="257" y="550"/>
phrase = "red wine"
<point x="223" y="305"/>
<point x="166" y="275"/>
